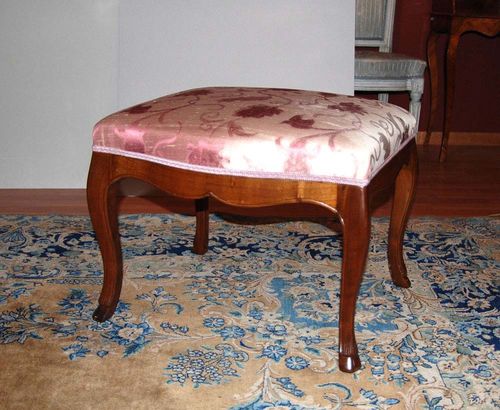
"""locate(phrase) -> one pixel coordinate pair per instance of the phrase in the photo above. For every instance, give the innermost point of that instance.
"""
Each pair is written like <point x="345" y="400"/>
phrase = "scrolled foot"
<point x="349" y="364"/>
<point x="103" y="313"/>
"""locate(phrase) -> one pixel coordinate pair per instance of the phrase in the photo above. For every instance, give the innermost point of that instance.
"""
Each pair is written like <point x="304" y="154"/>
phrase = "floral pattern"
<point x="258" y="111"/>
<point x="252" y="324"/>
<point x="261" y="132"/>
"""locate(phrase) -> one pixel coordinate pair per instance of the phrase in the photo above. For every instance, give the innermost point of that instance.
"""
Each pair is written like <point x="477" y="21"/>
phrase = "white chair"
<point x="381" y="70"/>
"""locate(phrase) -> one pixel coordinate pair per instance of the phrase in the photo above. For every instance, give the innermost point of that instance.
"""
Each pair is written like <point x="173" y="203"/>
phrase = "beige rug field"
<point x="252" y="324"/>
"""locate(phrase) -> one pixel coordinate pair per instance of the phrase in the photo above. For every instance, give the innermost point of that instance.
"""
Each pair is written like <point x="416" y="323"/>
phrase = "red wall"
<point x="477" y="96"/>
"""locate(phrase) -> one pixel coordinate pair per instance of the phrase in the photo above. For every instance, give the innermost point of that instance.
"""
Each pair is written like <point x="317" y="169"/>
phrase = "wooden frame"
<point x="486" y="22"/>
<point x="352" y="204"/>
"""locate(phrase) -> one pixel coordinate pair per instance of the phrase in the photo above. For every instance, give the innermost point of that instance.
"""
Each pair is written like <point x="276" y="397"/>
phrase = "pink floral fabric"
<point x="261" y="132"/>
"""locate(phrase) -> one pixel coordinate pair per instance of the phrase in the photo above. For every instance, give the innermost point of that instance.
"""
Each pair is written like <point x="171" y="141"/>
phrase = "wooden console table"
<point x="455" y="17"/>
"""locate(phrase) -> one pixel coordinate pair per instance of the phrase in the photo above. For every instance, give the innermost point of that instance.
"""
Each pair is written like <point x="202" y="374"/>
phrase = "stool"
<point x="257" y="147"/>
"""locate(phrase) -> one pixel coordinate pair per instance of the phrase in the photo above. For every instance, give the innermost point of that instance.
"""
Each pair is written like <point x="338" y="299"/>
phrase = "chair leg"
<point x="356" y="234"/>
<point x="200" y="245"/>
<point x="404" y="193"/>
<point x="417" y="89"/>
<point x="383" y="97"/>
<point x="415" y="106"/>
<point x="102" y="204"/>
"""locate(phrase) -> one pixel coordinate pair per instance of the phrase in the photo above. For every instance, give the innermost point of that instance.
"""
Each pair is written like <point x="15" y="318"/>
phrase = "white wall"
<point x="64" y="64"/>
<point x="168" y="46"/>
<point x="58" y="62"/>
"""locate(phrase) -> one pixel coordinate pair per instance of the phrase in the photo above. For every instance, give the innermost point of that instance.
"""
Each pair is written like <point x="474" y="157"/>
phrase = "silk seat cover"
<point x="261" y="132"/>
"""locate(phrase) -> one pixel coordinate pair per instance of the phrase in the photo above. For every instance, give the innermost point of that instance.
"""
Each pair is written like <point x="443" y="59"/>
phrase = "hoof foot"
<point x="403" y="282"/>
<point x="103" y="313"/>
<point x="399" y="274"/>
<point x="349" y="364"/>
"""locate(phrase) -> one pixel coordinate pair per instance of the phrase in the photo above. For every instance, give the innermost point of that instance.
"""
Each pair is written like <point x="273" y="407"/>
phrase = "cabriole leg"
<point x="102" y="204"/>
<point x="356" y="234"/>
<point x="404" y="193"/>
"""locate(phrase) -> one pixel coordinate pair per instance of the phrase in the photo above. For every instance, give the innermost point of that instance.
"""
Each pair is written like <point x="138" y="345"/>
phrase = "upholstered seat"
<point x="257" y="147"/>
<point x="376" y="64"/>
<point x="264" y="133"/>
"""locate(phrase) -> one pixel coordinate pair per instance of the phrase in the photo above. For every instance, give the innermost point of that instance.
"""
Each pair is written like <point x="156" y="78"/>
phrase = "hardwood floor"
<point x="468" y="184"/>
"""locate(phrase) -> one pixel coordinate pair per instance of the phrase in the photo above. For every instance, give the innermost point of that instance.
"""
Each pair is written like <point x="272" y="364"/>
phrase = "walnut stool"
<point x="259" y="147"/>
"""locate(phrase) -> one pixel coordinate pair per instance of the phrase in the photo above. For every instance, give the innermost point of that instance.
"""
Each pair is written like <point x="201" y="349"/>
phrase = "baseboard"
<point x="463" y="138"/>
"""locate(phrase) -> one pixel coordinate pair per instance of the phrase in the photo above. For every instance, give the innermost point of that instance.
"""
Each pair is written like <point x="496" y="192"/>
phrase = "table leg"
<point x="451" y="56"/>
<point x="401" y="205"/>
<point x="434" y="78"/>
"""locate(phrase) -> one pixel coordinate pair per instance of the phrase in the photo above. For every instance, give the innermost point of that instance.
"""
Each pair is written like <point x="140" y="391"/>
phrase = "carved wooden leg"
<point x="102" y="203"/>
<point x="356" y="232"/>
<point x="200" y="245"/>
<point x="404" y="193"/>
<point x="383" y="97"/>
<point x="417" y="89"/>
<point x="434" y="78"/>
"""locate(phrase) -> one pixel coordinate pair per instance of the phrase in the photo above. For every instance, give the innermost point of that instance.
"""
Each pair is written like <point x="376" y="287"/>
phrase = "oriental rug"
<point x="252" y="324"/>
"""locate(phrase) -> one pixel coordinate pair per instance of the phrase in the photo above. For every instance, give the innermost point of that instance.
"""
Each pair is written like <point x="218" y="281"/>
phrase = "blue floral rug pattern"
<point x="252" y="324"/>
